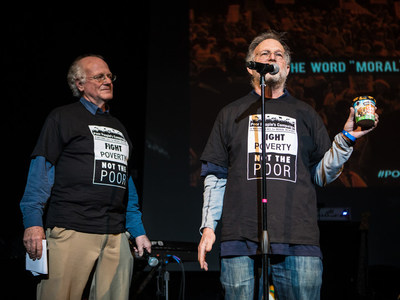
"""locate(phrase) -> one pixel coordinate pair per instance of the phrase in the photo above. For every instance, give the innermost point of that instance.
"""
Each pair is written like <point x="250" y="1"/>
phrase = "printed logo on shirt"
<point x="280" y="147"/>
<point x="111" y="151"/>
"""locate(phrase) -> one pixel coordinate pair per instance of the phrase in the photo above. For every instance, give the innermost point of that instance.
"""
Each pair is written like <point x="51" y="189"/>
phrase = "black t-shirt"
<point x="90" y="154"/>
<point x="296" y="139"/>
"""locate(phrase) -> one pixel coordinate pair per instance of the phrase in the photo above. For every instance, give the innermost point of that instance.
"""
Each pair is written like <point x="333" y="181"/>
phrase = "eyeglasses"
<point x="279" y="55"/>
<point x="103" y="77"/>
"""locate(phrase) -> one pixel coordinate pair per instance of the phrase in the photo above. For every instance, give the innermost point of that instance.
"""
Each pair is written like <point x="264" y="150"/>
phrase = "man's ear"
<point x="79" y="85"/>
<point x="250" y="71"/>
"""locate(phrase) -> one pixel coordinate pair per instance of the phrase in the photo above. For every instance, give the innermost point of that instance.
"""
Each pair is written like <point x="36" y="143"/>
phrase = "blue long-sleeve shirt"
<point x="40" y="181"/>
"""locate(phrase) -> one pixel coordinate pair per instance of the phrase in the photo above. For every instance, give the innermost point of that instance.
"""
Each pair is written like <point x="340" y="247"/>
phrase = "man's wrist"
<point x="350" y="139"/>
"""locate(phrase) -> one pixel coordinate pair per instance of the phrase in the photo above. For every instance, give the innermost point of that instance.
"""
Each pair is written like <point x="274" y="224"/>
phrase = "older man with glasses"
<point x="299" y="156"/>
<point x="79" y="176"/>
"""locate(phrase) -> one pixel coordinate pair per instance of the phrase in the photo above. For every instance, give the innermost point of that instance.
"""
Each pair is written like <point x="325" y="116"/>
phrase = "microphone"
<point x="151" y="260"/>
<point x="263" y="68"/>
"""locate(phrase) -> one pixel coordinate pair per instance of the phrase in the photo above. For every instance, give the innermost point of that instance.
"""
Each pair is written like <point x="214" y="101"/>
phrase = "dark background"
<point x="147" y="46"/>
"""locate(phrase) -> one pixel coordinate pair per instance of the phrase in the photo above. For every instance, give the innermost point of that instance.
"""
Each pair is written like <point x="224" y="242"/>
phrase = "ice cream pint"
<point x="364" y="110"/>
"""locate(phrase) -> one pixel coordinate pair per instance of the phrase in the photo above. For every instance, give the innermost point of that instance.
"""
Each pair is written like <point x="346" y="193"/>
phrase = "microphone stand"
<point x="163" y="274"/>
<point x="265" y="238"/>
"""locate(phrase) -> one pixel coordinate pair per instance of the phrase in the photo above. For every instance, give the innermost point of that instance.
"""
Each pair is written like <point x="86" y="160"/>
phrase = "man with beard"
<point x="299" y="155"/>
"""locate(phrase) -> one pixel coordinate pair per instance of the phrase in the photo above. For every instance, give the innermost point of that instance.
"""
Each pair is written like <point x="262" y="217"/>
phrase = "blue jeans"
<point x="293" y="277"/>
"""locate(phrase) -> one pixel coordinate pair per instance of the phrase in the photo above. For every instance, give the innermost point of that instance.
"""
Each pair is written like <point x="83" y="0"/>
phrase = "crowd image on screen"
<point x="343" y="31"/>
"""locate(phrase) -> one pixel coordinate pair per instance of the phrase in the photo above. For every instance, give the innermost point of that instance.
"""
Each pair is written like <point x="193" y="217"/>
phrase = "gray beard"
<point x="273" y="81"/>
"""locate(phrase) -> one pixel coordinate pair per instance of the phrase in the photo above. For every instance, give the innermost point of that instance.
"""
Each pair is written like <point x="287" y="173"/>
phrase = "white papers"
<point x="38" y="266"/>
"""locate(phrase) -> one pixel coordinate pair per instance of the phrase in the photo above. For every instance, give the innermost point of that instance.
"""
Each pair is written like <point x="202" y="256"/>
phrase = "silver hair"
<point x="76" y="72"/>
<point x="271" y="34"/>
